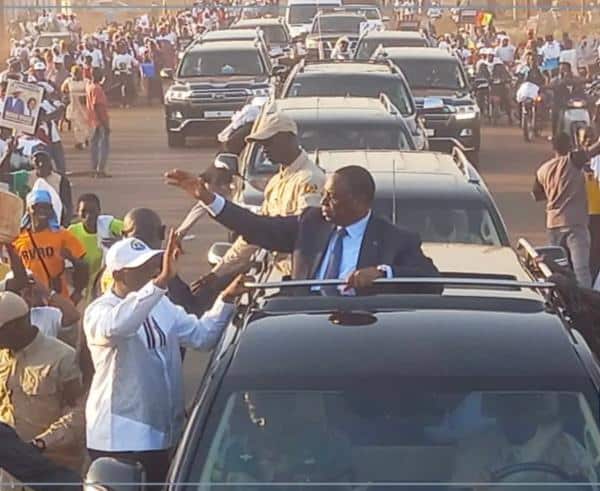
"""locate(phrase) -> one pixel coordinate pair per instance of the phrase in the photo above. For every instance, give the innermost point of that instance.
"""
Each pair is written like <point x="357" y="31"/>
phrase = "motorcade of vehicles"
<point x="357" y="79"/>
<point x="211" y="82"/>
<point x="299" y="14"/>
<point x="324" y="123"/>
<point x="276" y="33"/>
<point x="491" y="363"/>
<point x="443" y="96"/>
<point x="370" y="41"/>
<point x="327" y="28"/>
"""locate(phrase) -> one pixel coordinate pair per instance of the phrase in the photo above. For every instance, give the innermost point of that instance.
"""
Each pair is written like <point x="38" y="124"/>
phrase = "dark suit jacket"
<point x="307" y="236"/>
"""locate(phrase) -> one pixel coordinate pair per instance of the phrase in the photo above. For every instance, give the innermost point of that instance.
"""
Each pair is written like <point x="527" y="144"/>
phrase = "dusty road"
<point x="139" y="156"/>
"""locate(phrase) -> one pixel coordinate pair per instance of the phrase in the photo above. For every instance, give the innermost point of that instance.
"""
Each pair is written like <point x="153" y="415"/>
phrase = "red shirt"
<point x="97" y="105"/>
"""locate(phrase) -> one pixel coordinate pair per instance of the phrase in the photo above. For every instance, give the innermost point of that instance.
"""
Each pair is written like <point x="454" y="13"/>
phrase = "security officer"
<point x="297" y="185"/>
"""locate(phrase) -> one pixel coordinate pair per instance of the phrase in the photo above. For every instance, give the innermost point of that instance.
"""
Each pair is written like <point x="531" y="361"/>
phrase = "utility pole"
<point x="3" y="27"/>
<point x="528" y="9"/>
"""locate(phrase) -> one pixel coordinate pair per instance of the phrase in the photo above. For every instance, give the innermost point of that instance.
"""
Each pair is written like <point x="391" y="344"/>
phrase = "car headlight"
<point x="466" y="112"/>
<point x="178" y="94"/>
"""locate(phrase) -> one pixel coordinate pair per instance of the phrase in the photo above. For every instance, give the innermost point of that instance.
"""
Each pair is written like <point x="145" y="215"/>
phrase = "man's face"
<point x="338" y="205"/>
<point x="10" y="336"/>
<point x="40" y="215"/>
<point x="134" y="279"/>
<point x="565" y="71"/>
<point x="277" y="148"/>
<point x="88" y="212"/>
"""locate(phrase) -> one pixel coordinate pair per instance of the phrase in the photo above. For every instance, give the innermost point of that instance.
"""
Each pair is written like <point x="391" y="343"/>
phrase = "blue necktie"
<point x="332" y="272"/>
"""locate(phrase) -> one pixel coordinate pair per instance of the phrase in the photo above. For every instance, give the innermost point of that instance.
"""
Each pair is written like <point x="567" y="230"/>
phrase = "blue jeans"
<point x="100" y="146"/>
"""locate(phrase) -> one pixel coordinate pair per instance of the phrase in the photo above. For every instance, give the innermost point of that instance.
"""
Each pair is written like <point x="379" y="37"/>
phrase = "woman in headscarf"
<point x="76" y="113"/>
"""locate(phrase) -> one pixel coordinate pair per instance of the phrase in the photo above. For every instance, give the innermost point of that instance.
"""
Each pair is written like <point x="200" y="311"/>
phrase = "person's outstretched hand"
<point x="191" y="184"/>
<point x="236" y="288"/>
<point x="169" y="261"/>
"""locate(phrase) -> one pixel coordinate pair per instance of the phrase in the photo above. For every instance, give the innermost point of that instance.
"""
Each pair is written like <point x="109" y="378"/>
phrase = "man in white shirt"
<point x="506" y="51"/>
<point x="122" y="67"/>
<point x="550" y="51"/>
<point x="135" y="408"/>
<point x="94" y="52"/>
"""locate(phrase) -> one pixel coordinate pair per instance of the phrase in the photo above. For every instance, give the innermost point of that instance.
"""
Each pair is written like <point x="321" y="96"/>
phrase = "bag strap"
<point x="37" y="251"/>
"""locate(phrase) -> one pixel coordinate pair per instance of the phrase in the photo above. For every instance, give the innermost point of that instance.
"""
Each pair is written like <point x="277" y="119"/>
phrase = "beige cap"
<point x="11" y="307"/>
<point x="272" y="124"/>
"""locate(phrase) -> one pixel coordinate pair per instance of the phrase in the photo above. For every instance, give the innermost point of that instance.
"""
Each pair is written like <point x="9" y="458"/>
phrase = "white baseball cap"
<point x="128" y="254"/>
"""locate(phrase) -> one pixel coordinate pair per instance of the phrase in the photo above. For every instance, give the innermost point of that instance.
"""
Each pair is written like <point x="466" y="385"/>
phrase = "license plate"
<point x="429" y="132"/>
<point x="218" y="114"/>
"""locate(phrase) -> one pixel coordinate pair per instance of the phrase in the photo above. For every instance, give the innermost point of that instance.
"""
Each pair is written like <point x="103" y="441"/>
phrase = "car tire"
<point x="175" y="140"/>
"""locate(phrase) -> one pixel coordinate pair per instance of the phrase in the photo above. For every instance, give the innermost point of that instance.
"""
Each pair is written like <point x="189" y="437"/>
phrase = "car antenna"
<point x="394" y="191"/>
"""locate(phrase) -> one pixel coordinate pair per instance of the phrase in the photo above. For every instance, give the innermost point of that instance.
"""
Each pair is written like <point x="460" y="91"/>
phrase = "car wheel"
<point x="175" y="140"/>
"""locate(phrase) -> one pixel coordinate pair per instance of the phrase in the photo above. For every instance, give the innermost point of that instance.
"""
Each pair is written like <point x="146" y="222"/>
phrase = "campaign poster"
<point x="21" y="108"/>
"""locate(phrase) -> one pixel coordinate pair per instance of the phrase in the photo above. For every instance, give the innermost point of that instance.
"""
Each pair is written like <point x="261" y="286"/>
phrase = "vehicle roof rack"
<point x="531" y="256"/>
<point x="474" y="283"/>
<point x="462" y="162"/>
<point x="389" y="106"/>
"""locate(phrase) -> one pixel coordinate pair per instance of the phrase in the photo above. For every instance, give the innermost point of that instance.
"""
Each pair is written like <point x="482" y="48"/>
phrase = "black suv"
<point x="371" y="40"/>
<point x="212" y="81"/>
<point x="276" y="33"/>
<point x="357" y="79"/>
<point x="324" y="123"/>
<point x="443" y="96"/>
<point x="487" y="384"/>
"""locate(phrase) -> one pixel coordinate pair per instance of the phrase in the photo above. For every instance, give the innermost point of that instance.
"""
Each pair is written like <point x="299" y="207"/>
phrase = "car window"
<point x="335" y="24"/>
<point x="400" y="436"/>
<point x="367" y="46"/>
<point x="275" y="34"/>
<point x="302" y="14"/>
<point x="220" y="63"/>
<point x="443" y="221"/>
<point x="432" y="74"/>
<point x="336" y="136"/>
<point x="354" y="86"/>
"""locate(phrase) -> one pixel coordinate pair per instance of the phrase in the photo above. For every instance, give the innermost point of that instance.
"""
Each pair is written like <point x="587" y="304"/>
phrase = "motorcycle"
<point x="530" y="118"/>
<point x="497" y="87"/>
<point x="481" y="87"/>
<point x="575" y="119"/>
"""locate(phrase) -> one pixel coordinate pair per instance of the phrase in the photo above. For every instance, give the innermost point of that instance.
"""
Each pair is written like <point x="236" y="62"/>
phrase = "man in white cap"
<point x="298" y="185"/>
<point x="40" y="385"/>
<point x="135" y="408"/>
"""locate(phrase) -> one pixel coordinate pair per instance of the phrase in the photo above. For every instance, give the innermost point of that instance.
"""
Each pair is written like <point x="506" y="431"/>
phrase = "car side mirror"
<point x="166" y="74"/>
<point x="278" y="70"/>
<point x="385" y="18"/>
<point x="228" y="161"/>
<point x="217" y="252"/>
<point x="554" y="253"/>
<point x="103" y="472"/>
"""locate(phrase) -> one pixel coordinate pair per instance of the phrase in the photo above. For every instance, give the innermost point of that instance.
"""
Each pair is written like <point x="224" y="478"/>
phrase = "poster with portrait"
<point x="21" y="107"/>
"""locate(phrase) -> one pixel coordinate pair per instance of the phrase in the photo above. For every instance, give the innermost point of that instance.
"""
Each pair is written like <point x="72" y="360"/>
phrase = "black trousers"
<point x="155" y="462"/>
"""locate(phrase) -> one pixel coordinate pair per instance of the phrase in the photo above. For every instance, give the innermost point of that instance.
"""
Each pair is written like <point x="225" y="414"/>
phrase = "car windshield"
<point x="221" y="63"/>
<point x="367" y="46"/>
<point x="336" y="136"/>
<point x="430" y="74"/>
<point x="443" y="222"/>
<point x="302" y="14"/>
<point x="368" y="13"/>
<point x="275" y="34"/>
<point x="352" y="85"/>
<point x="268" y="439"/>
<point x="337" y="23"/>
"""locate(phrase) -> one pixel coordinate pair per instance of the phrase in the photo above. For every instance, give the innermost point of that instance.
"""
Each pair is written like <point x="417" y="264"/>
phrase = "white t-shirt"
<point x="47" y="319"/>
<point x="506" y="53"/>
<point x="96" y="54"/>
<point x="550" y="51"/>
<point x="123" y="62"/>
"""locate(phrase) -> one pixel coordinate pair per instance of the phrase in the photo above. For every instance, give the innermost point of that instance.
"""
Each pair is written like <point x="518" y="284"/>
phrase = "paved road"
<point x="140" y="155"/>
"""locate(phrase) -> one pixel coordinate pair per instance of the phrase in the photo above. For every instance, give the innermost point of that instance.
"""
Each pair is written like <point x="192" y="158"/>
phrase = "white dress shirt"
<point x="47" y="319"/>
<point x="136" y="398"/>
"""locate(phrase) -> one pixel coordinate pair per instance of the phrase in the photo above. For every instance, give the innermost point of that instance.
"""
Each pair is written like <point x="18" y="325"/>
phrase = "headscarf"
<point x="37" y="197"/>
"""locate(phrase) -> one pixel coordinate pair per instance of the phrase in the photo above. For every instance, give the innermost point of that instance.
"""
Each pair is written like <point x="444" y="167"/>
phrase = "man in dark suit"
<point x="14" y="104"/>
<point x="341" y="240"/>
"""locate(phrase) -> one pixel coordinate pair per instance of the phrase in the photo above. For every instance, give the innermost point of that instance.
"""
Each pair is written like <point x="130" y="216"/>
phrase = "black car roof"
<point x="226" y="45"/>
<point x="454" y="338"/>
<point x="419" y="53"/>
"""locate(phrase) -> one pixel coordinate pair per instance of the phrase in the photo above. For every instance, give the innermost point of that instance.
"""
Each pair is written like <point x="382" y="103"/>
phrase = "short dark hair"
<point x="89" y="198"/>
<point x="359" y="181"/>
<point x="562" y="143"/>
<point x="97" y="75"/>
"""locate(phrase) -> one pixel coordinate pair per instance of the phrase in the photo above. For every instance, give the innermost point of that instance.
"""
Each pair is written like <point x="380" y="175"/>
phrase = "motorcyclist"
<point x="500" y="73"/>
<point x="530" y="72"/>
<point x="564" y="87"/>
